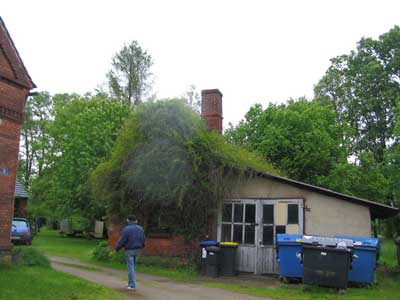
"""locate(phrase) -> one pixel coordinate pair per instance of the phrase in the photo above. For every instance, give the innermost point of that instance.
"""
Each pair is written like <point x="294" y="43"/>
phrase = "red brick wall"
<point x="12" y="100"/>
<point x="174" y="246"/>
<point x="211" y="109"/>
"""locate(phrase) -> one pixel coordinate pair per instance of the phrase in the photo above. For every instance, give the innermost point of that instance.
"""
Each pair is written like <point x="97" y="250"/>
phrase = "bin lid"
<point x="283" y="238"/>
<point x="213" y="249"/>
<point x="360" y="241"/>
<point x="209" y="243"/>
<point x="229" y="244"/>
<point x="327" y="241"/>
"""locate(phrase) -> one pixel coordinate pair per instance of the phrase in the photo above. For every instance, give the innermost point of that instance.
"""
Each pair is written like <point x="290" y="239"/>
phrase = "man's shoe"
<point x="132" y="289"/>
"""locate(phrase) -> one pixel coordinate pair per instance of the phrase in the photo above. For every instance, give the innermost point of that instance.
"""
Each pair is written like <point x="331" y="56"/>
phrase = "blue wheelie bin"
<point x="203" y="246"/>
<point x="365" y="260"/>
<point x="288" y="255"/>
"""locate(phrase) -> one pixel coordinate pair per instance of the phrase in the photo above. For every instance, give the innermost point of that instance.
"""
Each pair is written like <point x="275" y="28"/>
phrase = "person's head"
<point x="131" y="219"/>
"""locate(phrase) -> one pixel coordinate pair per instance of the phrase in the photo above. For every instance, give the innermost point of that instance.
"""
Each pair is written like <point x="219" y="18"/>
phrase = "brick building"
<point x="15" y="85"/>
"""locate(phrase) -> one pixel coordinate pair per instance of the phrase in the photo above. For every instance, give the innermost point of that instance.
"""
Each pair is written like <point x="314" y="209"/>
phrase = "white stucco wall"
<point x="324" y="215"/>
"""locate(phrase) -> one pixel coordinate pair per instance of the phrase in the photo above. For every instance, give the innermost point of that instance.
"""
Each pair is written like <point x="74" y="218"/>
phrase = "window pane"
<point x="250" y="213"/>
<point x="280" y="229"/>
<point x="237" y="233"/>
<point x="227" y="213"/>
<point x="249" y="236"/>
<point x="238" y="217"/>
<point x="268" y="235"/>
<point x="268" y="214"/>
<point x="293" y="214"/>
<point x="226" y="233"/>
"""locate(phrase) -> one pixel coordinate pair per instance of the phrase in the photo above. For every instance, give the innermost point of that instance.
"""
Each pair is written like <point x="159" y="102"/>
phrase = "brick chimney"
<point x="211" y="109"/>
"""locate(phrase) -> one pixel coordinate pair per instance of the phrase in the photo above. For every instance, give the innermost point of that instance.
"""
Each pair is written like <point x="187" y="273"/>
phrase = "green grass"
<point x="37" y="283"/>
<point x="31" y="277"/>
<point x="52" y="243"/>
<point x="389" y="253"/>
<point x="388" y="278"/>
<point x="388" y="288"/>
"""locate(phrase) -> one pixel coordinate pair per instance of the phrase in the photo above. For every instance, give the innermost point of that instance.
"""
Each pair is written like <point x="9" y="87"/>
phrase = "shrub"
<point x="26" y="256"/>
<point x="101" y="252"/>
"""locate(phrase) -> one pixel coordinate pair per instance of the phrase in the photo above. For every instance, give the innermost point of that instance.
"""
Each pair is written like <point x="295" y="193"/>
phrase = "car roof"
<point x="20" y="219"/>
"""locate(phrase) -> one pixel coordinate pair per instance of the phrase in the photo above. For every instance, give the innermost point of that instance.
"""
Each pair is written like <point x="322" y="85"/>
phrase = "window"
<point x="268" y="224"/>
<point x="268" y="214"/>
<point x="293" y="214"/>
<point x="238" y="223"/>
<point x="227" y="213"/>
<point x="268" y="235"/>
<point x="272" y="215"/>
<point x="280" y="229"/>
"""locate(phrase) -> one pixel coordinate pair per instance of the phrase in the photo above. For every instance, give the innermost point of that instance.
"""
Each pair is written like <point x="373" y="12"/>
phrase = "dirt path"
<point x="149" y="287"/>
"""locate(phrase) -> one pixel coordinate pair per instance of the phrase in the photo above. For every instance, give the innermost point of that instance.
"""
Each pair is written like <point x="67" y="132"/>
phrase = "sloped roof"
<point x="378" y="210"/>
<point x="20" y="74"/>
<point x="20" y="190"/>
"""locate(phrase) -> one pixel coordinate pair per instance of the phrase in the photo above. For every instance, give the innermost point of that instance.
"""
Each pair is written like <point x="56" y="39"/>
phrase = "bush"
<point x="101" y="252"/>
<point x="26" y="256"/>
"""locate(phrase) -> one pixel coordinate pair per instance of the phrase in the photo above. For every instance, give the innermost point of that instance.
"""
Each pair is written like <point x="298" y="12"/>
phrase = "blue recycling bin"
<point x="288" y="251"/>
<point x="365" y="260"/>
<point x="203" y="246"/>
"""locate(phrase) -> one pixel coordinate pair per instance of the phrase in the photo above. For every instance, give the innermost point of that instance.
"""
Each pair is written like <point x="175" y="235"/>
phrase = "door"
<point x="254" y="224"/>
<point x="276" y="216"/>
<point x="239" y="225"/>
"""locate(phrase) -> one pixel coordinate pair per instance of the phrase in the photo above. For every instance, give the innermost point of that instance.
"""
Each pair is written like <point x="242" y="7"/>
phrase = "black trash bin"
<point x="213" y="261"/>
<point x="203" y="257"/>
<point x="326" y="261"/>
<point x="228" y="258"/>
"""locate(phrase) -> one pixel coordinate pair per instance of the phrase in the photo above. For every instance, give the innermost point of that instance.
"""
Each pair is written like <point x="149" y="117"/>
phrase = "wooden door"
<point x="238" y="224"/>
<point x="275" y="216"/>
<point x="254" y="223"/>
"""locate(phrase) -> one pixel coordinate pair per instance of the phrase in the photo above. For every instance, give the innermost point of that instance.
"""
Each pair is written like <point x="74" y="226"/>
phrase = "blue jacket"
<point x="132" y="237"/>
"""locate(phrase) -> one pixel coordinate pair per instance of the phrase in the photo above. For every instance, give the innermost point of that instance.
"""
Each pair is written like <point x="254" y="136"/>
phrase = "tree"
<point x="192" y="98"/>
<point x="34" y="142"/>
<point x="81" y="136"/>
<point x="363" y="88"/>
<point x="169" y="170"/>
<point x="130" y="76"/>
<point x="301" y="137"/>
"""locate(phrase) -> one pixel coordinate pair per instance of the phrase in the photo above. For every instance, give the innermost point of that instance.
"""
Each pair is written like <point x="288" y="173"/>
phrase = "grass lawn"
<point x="388" y="278"/>
<point x="38" y="283"/>
<point x="52" y="243"/>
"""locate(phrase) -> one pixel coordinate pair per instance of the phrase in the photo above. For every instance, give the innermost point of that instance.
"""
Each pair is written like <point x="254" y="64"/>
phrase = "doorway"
<point x="254" y="223"/>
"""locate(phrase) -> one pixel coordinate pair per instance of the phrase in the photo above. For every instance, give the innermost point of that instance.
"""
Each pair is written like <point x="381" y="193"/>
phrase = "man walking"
<point x="132" y="240"/>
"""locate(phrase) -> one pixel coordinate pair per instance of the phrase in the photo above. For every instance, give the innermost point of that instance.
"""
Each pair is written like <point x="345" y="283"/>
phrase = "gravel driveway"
<point x="149" y="287"/>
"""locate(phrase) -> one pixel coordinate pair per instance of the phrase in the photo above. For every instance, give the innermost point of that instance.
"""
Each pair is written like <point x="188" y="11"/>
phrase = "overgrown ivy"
<point x="166" y="163"/>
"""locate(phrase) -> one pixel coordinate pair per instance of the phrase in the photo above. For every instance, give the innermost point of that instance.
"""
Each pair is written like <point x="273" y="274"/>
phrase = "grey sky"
<point x="253" y="51"/>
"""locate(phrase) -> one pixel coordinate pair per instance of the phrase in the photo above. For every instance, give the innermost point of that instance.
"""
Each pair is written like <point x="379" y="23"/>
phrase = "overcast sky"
<point x="253" y="51"/>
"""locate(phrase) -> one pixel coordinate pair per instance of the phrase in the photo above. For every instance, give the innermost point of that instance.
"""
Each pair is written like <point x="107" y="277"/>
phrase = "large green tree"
<point x="80" y="137"/>
<point x="130" y="76"/>
<point x="300" y="137"/>
<point x="363" y="88"/>
<point x="34" y="143"/>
